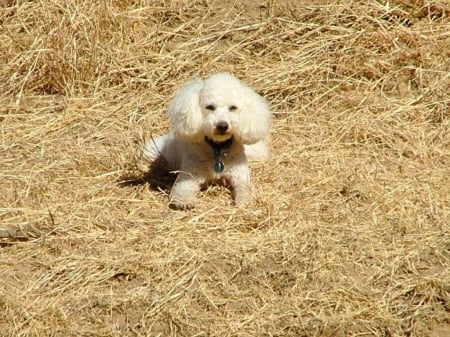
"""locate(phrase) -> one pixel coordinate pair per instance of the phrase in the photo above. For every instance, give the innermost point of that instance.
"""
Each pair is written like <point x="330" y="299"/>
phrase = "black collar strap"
<point x="217" y="148"/>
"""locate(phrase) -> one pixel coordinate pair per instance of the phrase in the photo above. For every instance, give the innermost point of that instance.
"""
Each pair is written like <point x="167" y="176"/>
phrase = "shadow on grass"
<point x="158" y="177"/>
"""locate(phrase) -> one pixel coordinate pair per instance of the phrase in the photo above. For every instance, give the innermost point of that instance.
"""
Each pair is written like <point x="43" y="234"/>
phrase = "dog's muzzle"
<point x="222" y="127"/>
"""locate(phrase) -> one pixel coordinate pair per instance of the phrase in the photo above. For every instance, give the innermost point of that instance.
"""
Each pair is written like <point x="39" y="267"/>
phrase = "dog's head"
<point x="219" y="108"/>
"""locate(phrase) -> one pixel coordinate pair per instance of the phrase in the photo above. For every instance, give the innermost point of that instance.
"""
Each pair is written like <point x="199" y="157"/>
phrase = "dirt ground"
<point x="348" y="230"/>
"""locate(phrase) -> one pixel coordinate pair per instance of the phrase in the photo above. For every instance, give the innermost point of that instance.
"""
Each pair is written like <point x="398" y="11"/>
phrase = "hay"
<point x="348" y="233"/>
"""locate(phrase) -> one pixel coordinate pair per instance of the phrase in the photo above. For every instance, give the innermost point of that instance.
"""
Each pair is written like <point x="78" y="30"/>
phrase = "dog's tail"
<point x="149" y="151"/>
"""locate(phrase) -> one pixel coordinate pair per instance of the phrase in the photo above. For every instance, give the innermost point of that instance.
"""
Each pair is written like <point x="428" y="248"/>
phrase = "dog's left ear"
<point x="185" y="115"/>
<point x="255" y="117"/>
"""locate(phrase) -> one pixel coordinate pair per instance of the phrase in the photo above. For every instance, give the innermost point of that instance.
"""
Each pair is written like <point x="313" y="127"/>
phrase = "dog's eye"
<point x="233" y="108"/>
<point x="210" y="107"/>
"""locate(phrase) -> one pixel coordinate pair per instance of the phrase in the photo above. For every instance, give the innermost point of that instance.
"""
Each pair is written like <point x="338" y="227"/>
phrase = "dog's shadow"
<point x="158" y="177"/>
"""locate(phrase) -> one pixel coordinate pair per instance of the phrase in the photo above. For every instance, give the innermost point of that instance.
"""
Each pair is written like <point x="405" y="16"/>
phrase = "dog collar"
<point x="218" y="148"/>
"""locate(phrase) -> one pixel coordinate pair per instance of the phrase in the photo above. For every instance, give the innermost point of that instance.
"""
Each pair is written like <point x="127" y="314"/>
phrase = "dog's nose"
<point x="222" y="127"/>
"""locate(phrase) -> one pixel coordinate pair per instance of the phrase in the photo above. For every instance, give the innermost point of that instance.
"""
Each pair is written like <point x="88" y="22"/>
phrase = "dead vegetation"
<point x="349" y="231"/>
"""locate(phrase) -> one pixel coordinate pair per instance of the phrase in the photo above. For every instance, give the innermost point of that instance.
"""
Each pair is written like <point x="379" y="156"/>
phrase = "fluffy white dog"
<point x="217" y="125"/>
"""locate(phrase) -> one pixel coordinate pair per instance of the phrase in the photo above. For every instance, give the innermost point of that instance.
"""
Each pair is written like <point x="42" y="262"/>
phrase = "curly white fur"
<point x="204" y="115"/>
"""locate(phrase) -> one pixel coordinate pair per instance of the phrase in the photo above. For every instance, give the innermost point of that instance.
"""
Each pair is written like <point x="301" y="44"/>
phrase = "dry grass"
<point x="349" y="232"/>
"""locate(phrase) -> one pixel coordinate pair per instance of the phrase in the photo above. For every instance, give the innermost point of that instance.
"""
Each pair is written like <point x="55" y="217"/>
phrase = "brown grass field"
<point x="348" y="231"/>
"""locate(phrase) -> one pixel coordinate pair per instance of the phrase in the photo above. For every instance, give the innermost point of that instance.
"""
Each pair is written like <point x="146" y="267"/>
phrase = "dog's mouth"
<point x="220" y="138"/>
<point x="220" y="132"/>
<point x="219" y="144"/>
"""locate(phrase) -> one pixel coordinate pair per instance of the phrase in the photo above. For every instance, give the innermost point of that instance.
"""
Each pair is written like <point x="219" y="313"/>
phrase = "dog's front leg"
<point x="184" y="191"/>
<point x="240" y="184"/>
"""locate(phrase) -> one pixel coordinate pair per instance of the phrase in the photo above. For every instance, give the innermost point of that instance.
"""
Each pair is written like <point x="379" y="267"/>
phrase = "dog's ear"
<point x="185" y="114"/>
<point x="255" y="117"/>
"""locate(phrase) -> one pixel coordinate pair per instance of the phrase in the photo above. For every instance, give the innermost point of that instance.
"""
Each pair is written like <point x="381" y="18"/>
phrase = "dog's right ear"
<point x="185" y="114"/>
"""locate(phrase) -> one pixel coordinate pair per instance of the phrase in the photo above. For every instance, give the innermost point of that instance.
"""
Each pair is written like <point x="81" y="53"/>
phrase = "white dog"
<point x="216" y="125"/>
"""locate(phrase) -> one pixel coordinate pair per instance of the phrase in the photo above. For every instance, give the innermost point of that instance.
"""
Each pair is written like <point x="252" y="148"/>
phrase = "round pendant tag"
<point x="218" y="166"/>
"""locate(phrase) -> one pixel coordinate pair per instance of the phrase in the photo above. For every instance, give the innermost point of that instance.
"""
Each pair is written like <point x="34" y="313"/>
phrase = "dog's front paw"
<point x="184" y="191"/>
<point x="184" y="201"/>
<point x="241" y="196"/>
<point x="176" y="205"/>
<point x="241" y="201"/>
